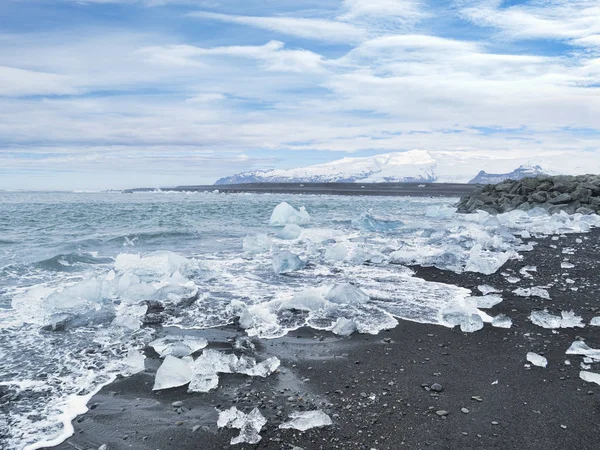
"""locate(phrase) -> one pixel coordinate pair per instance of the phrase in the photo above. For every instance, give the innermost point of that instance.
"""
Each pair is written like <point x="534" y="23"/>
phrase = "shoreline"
<point x="360" y="189"/>
<point x="545" y="408"/>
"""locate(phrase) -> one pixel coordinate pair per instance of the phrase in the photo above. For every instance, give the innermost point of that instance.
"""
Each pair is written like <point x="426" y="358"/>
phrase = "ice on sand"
<point x="537" y="360"/>
<point x="284" y="214"/>
<point x="285" y="262"/>
<point x="178" y="346"/>
<point x="263" y="369"/>
<point x="590" y="377"/>
<point x="595" y="322"/>
<point x="306" y="420"/>
<point x="290" y="231"/>
<point x="535" y="291"/>
<point x="172" y="373"/>
<point x="259" y="243"/>
<point x="567" y="319"/>
<point x="346" y="294"/>
<point x="486" y="289"/>
<point x="344" y="327"/>
<point x="581" y="348"/>
<point x="502" y="321"/>
<point x="133" y="363"/>
<point x="484" y="261"/>
<point x="471" y="323"/>
<point x="488" y="301"/>
<point x="248" y="424"/>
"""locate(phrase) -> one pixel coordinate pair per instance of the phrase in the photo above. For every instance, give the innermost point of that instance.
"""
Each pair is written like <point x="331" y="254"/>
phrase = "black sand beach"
<point x="373" y="387"/>
<point x="379" y="189"/>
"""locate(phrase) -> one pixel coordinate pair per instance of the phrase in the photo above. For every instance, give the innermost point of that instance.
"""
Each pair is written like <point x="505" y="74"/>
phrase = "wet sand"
<point x="372" y="386"/>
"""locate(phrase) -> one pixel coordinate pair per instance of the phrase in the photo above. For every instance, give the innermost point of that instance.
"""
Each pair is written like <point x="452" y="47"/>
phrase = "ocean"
<point x="80" y="271"/>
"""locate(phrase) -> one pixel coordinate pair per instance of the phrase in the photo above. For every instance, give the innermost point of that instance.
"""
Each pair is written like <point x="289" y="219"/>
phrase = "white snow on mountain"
<point x="418" y="166"/>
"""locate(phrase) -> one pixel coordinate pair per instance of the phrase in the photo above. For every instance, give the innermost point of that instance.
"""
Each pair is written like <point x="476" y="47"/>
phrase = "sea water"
<point x="79" y="272"/>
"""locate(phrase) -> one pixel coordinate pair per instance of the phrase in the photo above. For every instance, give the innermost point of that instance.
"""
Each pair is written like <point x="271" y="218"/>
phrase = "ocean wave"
<point x="71" y="262"/>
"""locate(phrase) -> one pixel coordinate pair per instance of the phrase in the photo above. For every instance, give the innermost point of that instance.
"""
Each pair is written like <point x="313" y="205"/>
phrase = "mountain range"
<point x="415" y="166"/>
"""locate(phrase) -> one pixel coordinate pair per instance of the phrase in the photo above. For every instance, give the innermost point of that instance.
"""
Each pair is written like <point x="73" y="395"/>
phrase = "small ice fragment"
<point x="203" y="382"/>
<point x="595" y="322"/>
<point x="590" y="377"/>
<point x="260" y="243"/>
<point x="248" y="424"/>
<point x="133" y="363"/>
<point x="344" y="327"/>
<point x="346" y="294"/>
<point x="567" y="319"/>
<point x="471" y="323"/>
<point x="290" y="231"/>
<point x="502" y="321"/>
<point x="284" y="214"/>
<point x="214" y="361"/>
<point x="485" y="261"/>
<point x="172" y="373"/>
<point x="525" y="271"/>
<point x="488" y="301"/>
<point x="262" y="369"/>
<point x="537" y="360"/>
<point x="178" y="346"/>
<point x="535" y="291"/>
<point x="285" y="262"/>
<point x="336" y="252"/>
<point x="566" y="265"/>
<point x="581" y="348"/>
<point x="306" y="420"/>
<point x="486" y="289"/>
<point x="513" y="280"/>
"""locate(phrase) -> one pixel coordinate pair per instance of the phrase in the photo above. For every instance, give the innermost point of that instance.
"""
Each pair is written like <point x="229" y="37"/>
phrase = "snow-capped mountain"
<point x="522" y="172"/>
<point x="416" y="166"/>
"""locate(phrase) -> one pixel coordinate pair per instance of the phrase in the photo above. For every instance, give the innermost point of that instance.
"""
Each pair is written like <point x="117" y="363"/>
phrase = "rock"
<point x="436" y="387"/>
<point x="103" y="447"/>
<point x="585" y="210"/>
<point x="441" y="413"/>
<point x="464" y="410"/>
<point x="476" y="398"/>
<point x="561" y="199"/>
<point x="177" y="404"/>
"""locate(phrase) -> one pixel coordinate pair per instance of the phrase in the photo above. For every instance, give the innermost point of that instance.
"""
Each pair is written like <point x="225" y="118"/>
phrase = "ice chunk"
<point x="502" y="321"/>
<point x="366" y="222"/>
<point x="178" y="346"/>
<point x="488" y="301"/>
<point x="566" y="265"/>
<point x="344" y="327"/>
<point x="260" y="243"/>
<point x="595" y="322"/>
<point x="306" y="420"/>
<point x="203" y="382"/>
<point x="346" y="294"/>
<point x="290" y="231"/>
<point x="535" y="291"/>
<point x="567" y="319"/>
<point x="485" y="261"/>
<point x="173" y="372"/>
<point x="440" y="211"/>
<point x="214" y="361"/>
<point x="307" y="300"/>
<point x="537" y="360"/>
<point x="525" y="271"/>
<point x="336" y="252"/>
<point x="581" y="348"/>
<point x="471" y="323"/>
<point x="589" y="377"/>
<point x="284" y="214"/>
<point x="248" y="366"/>
<point x="285" y="262"/>
<point x="486" y="289"/>
<point x="133" y="363"/>
<point x="248" y="424"/>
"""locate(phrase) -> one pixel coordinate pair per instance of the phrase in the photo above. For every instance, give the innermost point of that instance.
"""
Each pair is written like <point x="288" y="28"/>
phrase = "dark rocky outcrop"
<point x="518" y="174"/>
<point x="572" y="194"/>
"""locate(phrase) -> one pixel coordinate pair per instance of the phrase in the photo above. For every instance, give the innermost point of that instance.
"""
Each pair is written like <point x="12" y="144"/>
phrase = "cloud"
<point x="313" y="29"/>
<point x="575" y="21"/>
<point x="21" y="82"/>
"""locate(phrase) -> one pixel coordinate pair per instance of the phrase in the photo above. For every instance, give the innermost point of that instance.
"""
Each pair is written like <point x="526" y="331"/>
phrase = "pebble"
<point x="494" y="422"/>
<point x="476" y="398"/>
<point x="564" y="427"/>
<point x="196" y="428"/>
<point x="363" y="394"/>
<point x="436" y="387"/>
<point x="441" y="413"/>
<point x="103" y="447"/>
<point x="177" y="404"/>
<point x="465" y="410"/>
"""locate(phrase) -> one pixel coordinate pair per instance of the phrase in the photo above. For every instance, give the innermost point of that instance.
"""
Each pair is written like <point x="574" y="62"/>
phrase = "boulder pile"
<point x="572" y="194"/>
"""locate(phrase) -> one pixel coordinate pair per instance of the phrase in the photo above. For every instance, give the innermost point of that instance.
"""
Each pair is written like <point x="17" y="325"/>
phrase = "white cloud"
<point x="21" y="82"/>
<point x="315" y="29"/>
<point x="576" y="21"/>
<point x="399" y="11"/>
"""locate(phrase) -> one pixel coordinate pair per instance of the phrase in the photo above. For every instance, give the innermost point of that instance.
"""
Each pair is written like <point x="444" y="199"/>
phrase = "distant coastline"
<point x="372" y="189"/>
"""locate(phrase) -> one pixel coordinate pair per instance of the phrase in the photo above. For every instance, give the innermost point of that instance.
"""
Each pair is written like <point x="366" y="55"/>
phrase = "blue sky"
<point x="100" y="94"/>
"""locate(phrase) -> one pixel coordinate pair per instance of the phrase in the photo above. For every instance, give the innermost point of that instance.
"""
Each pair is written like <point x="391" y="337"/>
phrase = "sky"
<point x="99" y="94"/>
